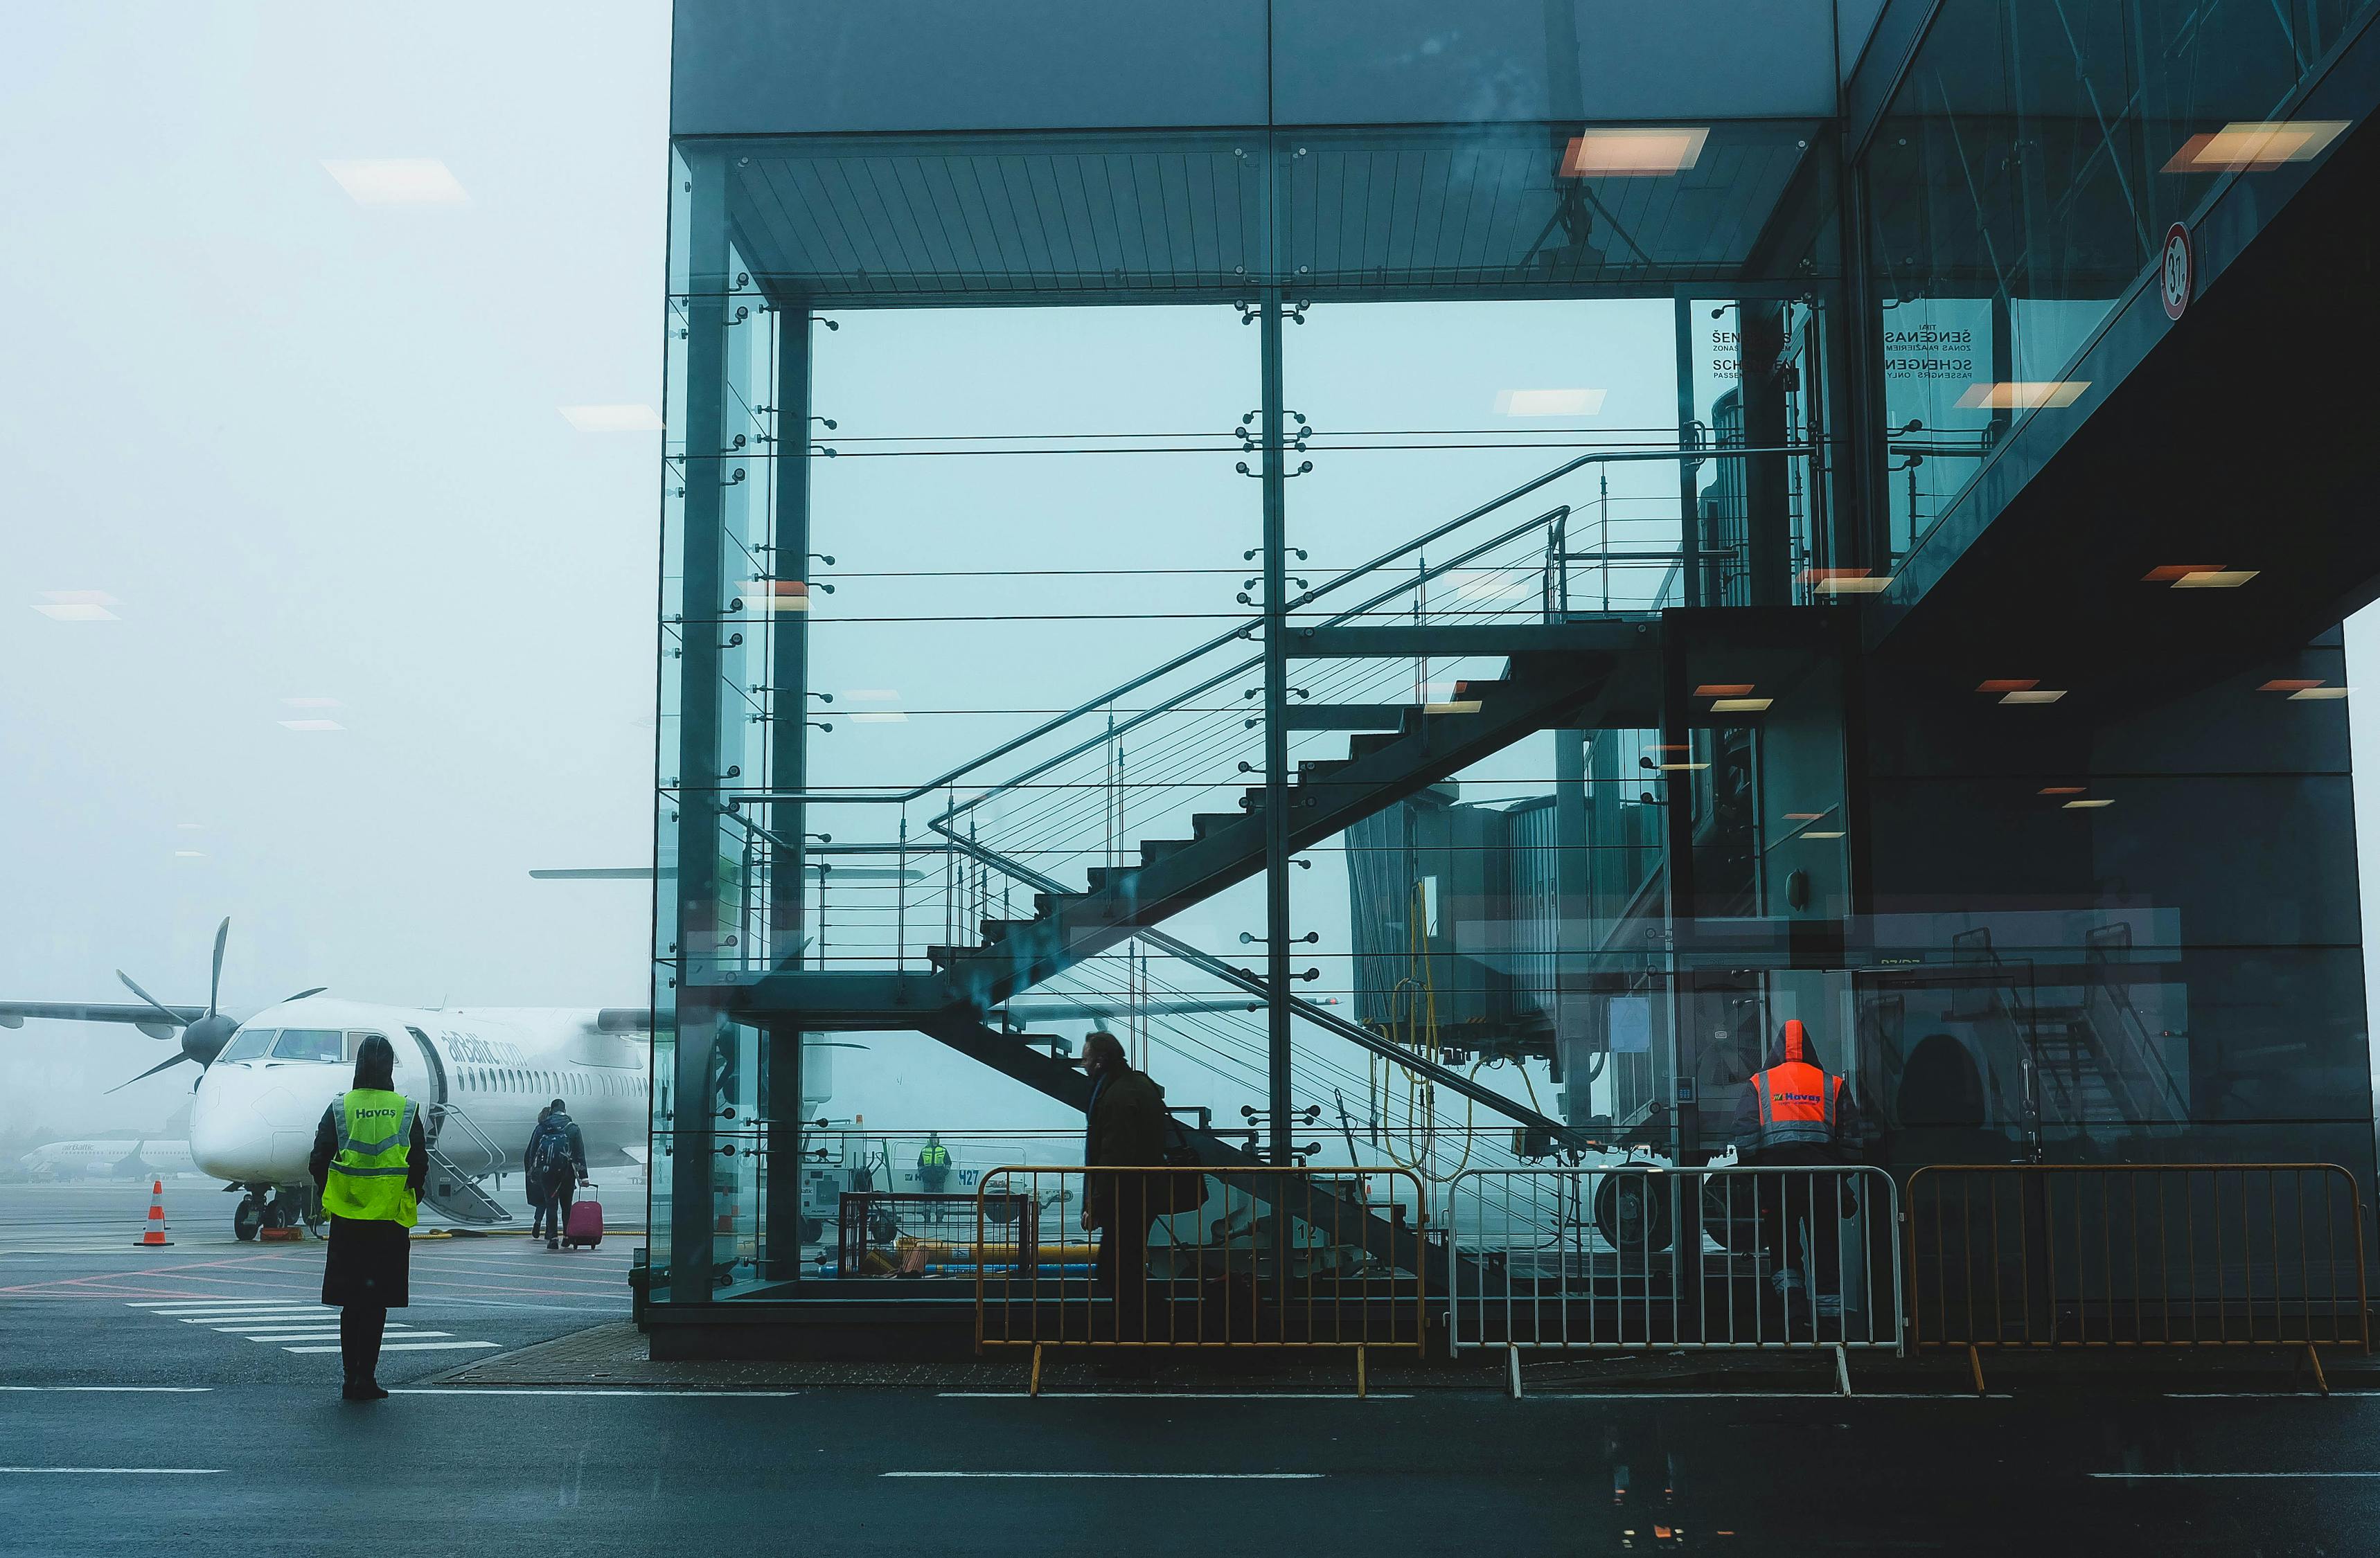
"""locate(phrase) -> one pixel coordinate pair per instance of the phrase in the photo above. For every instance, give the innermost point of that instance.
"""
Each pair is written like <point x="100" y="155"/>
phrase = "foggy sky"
<point x="312" y="451"/>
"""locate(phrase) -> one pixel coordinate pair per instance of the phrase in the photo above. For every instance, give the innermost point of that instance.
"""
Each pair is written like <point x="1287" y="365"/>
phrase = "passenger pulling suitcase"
<point x="584" y="1225"/>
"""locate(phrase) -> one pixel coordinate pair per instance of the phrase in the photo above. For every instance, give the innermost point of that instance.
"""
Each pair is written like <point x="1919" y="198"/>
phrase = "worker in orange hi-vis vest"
<point x="1796" y="1113"/>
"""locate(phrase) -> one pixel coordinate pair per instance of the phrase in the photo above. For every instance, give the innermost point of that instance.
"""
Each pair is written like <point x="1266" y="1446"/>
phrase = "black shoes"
<point x="363" y="1390"/>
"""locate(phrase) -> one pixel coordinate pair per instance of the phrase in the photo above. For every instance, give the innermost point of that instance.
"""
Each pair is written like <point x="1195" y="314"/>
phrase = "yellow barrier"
<point x="2136" y="1255"/>
<point x="1201" y="1258"/>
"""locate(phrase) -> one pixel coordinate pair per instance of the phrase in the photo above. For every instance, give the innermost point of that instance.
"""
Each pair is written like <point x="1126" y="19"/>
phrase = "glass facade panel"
<point x="2021" y="181"/>
<point x="1503" y="510"/>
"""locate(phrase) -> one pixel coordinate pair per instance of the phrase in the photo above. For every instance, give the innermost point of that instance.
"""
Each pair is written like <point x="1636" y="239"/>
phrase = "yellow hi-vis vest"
<point x="367" y="1179"/>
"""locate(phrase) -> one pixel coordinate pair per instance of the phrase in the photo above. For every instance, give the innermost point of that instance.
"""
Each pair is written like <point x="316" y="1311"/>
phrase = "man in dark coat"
<point x="1124" y="1126"/>
<point x="561" y="1152"/>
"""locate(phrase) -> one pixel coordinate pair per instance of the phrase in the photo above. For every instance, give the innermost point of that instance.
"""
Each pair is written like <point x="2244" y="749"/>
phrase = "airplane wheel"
<point x="812" y="1230"/>
<point x="1632" y="1214"/>
<point x="245" y="1220"/>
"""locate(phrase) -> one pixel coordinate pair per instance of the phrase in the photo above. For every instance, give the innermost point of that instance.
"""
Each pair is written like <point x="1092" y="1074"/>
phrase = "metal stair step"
<point x="1371" y="741"/>
<point x="1154" y="850"/>
<point x="996" y="931"/>
<point x="1204" y="824"/>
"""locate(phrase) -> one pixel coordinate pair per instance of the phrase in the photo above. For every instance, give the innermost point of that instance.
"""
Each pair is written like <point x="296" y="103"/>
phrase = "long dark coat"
<point x="368" y="1258"/>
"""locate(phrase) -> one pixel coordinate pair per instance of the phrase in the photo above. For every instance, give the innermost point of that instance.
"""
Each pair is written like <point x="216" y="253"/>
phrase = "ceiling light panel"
<point x="1648" y="152"/>
<point x="397" y="181"/>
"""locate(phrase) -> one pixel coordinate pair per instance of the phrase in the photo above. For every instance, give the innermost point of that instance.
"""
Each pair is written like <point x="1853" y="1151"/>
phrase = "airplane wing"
<point x="13" y="1013"/>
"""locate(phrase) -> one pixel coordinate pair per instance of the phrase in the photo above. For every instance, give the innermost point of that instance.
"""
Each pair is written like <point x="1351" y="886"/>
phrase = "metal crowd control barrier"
<point x="2137" y="1255"/>
<point x="1225" y="1257"/>
<point x="1588" y="1258"/>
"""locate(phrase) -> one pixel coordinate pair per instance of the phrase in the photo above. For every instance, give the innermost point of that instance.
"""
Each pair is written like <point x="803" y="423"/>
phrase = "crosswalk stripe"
<point x="407" y="1346"/>
<point x="319" y="1336"/>
<point x="228" y="1300"/>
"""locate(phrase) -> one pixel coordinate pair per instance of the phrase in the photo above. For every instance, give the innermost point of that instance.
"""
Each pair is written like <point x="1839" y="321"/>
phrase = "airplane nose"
<point x="227" y="1137"/>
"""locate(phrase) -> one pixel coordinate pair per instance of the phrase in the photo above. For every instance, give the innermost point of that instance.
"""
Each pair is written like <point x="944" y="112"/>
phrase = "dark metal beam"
<point x="1276" y="727"/>
<point x="1608" y="636"/>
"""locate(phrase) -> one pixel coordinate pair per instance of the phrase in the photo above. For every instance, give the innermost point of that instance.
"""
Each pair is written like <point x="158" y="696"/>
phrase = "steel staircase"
<point x="1429" y="743"/>
<point x="452" y="1190"/>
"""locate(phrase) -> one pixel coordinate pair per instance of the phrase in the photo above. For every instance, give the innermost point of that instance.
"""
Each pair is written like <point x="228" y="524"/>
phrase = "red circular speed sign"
<point x="2174" y="276"/>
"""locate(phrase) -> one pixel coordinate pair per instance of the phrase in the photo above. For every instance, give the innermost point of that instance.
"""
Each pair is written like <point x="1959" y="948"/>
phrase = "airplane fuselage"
<point x="490" y="1069"/>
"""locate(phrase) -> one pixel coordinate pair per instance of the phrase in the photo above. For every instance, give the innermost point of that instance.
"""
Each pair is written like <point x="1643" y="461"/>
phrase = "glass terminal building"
<point x="1623" y="524"/>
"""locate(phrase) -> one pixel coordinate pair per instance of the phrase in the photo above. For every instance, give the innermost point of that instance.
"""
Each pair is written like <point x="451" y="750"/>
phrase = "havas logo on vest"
<point x="369" y="1175"/>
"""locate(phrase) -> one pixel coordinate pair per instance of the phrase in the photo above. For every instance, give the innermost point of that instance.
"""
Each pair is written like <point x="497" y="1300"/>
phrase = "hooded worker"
<point x="1797" y="1114"/>
<point x="1794" y="1111"/>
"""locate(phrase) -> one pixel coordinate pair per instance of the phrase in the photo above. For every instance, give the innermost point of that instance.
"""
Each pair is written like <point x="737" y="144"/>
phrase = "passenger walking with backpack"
<point x="559" y="1156"/>
<point x="534" y="1183"/>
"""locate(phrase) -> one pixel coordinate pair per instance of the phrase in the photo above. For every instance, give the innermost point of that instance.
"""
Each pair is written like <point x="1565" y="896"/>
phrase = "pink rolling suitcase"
<point x="583" y="1227"/>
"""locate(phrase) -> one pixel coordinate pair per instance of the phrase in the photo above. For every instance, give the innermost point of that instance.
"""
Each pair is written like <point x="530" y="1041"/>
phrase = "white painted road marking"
<point x="1118" y="1475"/>
<point x="137" y="1390"/>
<point x="294" y="1320"/>
<point x="406" y="1346"/>
<point x="117" y="1471"/>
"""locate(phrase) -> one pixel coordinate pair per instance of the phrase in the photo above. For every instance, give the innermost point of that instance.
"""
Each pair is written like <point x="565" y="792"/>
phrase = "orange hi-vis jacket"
<point x="1795" y="1103"/>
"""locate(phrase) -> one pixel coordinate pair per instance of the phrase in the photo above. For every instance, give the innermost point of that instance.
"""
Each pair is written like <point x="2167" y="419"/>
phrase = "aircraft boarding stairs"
<point x="451" y="1190"/>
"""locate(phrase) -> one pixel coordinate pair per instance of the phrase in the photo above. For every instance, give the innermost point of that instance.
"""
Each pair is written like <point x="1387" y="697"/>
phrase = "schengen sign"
<point x="2174" y="278"/>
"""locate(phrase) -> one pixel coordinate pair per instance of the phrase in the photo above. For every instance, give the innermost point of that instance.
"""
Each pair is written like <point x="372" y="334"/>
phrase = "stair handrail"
<point x="2135" y="1033"/>
<point x="1103" y="735"/>
<point x="453" y="1114"/>
<point x="1321" y="1017"/>
<point x="1091" y="706"/>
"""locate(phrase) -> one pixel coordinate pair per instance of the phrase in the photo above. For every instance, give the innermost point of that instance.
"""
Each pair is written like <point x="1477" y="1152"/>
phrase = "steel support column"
<point x="789" y="730"/>
<point x="701" y="1014"/>
<point x="1276" y="727"/>
<point x="1678" y="756"/>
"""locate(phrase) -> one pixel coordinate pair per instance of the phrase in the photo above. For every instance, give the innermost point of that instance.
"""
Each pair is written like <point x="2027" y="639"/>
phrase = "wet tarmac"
<point x="138" y="1411"/>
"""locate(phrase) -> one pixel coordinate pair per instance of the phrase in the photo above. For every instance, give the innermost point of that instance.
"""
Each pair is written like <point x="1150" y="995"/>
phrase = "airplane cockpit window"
<point x="247" y="1044"/>
<point x="309" y="1044"/>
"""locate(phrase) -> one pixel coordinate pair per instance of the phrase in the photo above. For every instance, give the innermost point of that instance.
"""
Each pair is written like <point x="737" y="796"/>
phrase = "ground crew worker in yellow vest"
<point x="369" y="1161"/>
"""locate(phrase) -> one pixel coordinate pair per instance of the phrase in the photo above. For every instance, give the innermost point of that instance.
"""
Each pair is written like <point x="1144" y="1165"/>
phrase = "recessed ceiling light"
<point x="1739" y="706"/>
<point x="1548" y="402"/>
<point x="1635" y="152"/>
<point x="612" y="418"/>
<point x="189" y="854"/>
<point x="2006" y="684"/>
<point x="397" y="181"/>
<point x="1724" y="690"/>
<point x="2166" y="574"/>
<point x="1683" y="767"/>
<point x="2304" y="693"/>
<point x="774" y="594"/>
<point x="1846" y="581"/>
<point x="2061" y="789"/>
<point x="1817" y="833"/>
<point x="312" y="725"/>
<point x="2036" y="695"/>
<point x="1456" y="705"/>
<point x="2289" y="684"/>
<point x="878" y="716"/>
<point x="2216" y="578"/>
<point x="1806" y="816"/>
<point x="2023" y="395"/>
<point x="2085" y="806"/>
<point x="2248" y="144"/>
<point x="76" y="604"/>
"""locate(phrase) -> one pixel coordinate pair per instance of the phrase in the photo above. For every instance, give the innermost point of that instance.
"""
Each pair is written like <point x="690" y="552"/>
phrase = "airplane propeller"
<point x="202" y="1038"/>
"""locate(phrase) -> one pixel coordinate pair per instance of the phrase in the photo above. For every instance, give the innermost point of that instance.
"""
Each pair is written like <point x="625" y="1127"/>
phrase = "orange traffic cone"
<point x="155" y="1237"/>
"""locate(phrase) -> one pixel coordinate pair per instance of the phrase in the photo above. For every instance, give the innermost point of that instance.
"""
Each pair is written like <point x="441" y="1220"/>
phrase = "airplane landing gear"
<point x="248" y="1215"/>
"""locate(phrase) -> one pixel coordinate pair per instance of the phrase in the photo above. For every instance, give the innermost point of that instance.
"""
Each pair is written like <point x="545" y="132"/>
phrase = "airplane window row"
<point x="551" y="1083"/>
